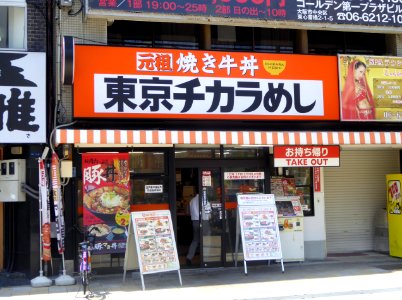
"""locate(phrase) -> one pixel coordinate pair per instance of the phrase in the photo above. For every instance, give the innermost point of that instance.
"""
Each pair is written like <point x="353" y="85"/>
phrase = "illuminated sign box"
<point x="198" y="84"/>
<point x="306" y="156"/>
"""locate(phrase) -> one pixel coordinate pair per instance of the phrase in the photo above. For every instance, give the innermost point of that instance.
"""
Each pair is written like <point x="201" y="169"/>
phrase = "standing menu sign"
<point x="257" y="220"/>
<point x="155" y="245"/>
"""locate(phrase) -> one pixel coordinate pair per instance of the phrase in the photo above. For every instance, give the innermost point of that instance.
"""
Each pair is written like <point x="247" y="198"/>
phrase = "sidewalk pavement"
<point x="354" y="276"/>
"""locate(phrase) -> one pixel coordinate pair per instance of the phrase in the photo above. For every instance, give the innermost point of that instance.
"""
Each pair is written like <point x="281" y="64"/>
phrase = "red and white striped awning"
<point x="86" y="138"/>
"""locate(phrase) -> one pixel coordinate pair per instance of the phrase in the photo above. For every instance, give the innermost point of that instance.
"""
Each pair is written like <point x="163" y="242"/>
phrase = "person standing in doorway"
<point x="195" y="219"/>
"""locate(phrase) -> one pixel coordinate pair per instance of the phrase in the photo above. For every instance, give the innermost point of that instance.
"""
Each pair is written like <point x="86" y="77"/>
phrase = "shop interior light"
<point x="256" y="146"/>
<point x="369" y="147"/>
<point x="123" y="145"/>
<point x="198" y="146"/>
<point x="102" y="152"/>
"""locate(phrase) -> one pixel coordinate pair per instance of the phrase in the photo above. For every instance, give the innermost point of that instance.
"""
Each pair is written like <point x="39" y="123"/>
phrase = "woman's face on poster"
<point x="359" y="73"/>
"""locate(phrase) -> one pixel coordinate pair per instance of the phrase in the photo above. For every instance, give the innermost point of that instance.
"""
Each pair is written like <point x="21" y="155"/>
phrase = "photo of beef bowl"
<point x="106" y="201"/>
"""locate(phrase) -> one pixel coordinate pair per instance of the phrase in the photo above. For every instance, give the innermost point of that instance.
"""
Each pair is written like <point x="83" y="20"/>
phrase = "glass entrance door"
<point x="216" y="186"/>
<point x="211" y="207"/>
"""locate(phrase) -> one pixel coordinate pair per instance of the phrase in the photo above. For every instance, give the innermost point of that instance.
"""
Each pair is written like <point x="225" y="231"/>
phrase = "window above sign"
<point x="13" y="25"/>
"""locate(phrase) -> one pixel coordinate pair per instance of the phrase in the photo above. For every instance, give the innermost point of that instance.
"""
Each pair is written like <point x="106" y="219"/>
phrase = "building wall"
<point x="398" y="45"/>
<point x="314" y="227"/>
<point x="85" y="31"/>
<point x="19" y="223"/>
<point x="37" y="14"/>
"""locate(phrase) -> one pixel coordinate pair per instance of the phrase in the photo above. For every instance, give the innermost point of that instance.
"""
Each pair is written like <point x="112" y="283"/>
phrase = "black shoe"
<point x="188" y="262"/>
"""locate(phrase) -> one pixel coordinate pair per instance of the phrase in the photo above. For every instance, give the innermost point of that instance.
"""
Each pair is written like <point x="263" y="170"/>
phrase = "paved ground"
<point x="365" y="276"/>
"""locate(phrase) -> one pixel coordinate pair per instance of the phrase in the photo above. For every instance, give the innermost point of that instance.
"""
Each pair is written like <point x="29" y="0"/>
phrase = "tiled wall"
<point x="85" y="31"/>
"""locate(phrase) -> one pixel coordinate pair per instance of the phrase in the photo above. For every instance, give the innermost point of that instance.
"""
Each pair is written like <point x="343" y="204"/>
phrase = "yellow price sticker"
<point x="122" y="218"/>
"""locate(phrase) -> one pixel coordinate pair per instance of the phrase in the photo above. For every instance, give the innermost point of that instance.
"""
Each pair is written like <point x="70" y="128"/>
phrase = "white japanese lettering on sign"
<point x="364" y="12"/>
<point x="306" y="156"/>
<point x="207" y="95"/>
<point x="353" y="11"/>
<point x="93" y="174"/>
<point x="163" y="62"/>
<point x="306" y="152"/>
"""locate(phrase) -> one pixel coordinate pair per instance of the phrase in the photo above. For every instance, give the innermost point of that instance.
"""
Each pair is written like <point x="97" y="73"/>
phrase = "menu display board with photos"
<point x="106" y="200"/>
<point x="258" y="223"/>
<point x="154" y="241"/>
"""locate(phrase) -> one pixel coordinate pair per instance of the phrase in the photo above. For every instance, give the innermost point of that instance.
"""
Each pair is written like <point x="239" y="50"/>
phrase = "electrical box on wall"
<point x="65" y="3"/>
<point x="66" y="169"/>
<point x="12" y="176"/>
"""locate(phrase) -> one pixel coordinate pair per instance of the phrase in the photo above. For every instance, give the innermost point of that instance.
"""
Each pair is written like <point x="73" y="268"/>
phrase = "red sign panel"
<point x="106" y="199"/>
<point x="317" y="179"/>
<point x="119" y="82"/>
<point x="306" y="156"/>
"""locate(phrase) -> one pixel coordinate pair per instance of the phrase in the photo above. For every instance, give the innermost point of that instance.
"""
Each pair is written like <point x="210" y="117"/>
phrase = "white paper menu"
<point x="155" y="241"/>
<point x="259" y="227"/>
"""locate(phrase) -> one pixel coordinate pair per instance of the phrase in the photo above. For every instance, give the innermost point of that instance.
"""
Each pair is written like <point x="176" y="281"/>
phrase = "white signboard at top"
<point x="153" y="188"/>
<point x="255" y="199"/>
<point x="22" y="97"/>
<point x="243" y="175"/>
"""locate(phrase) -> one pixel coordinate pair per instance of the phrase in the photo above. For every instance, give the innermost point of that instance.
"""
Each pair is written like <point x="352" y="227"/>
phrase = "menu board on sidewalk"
<point x="258" y="223"/>
<point x="155" y="241"/>
<point x="155" y="245"/>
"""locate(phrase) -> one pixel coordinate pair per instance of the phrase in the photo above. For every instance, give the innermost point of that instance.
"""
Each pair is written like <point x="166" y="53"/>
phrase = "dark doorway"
<point x="186" y="189"/>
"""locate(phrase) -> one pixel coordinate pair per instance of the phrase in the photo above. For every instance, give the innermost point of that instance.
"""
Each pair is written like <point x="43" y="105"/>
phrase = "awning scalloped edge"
<point x="252" y="138"/>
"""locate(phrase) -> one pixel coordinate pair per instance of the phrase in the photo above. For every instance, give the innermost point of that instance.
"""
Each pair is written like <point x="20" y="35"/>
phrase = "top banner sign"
<point x="356" y="12"/>
<point x="194" y="84"/>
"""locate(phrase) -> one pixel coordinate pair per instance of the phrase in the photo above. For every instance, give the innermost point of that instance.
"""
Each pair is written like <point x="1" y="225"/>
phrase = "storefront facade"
<point x="190" y="165"/>
<point x="223" y="147"/>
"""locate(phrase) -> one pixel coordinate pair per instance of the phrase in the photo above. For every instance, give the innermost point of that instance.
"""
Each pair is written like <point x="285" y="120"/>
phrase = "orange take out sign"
<point x="120" y="82"/>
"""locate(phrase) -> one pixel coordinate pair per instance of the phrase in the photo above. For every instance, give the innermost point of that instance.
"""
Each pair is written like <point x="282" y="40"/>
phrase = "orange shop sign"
<point x="306" y="156"/>
<point x="117" y="82"/>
